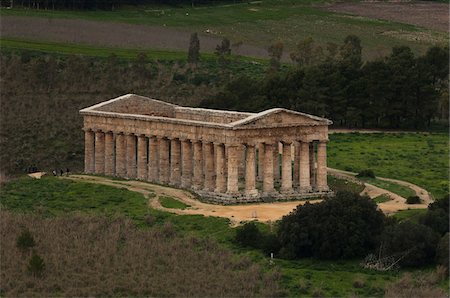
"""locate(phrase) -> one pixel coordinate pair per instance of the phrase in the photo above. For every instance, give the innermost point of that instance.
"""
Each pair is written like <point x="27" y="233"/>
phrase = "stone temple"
<point x="225" y="157"/>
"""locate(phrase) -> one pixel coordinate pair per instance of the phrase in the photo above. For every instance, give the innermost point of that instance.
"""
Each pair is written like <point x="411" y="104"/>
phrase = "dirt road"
<point x="264" y="212"/>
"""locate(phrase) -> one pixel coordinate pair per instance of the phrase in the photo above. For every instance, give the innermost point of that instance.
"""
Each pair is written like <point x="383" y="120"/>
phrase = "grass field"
<point x="261" y="23"/>
<point x="391" y="186"/>
<point x="418" y="158"/>
<point x="52" y="196"/>
<point x="382" y="199"/>
<point x="169" y="202"/>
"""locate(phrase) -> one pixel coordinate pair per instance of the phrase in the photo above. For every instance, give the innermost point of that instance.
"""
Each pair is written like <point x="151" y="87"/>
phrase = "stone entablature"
<point x="224" y="156"/>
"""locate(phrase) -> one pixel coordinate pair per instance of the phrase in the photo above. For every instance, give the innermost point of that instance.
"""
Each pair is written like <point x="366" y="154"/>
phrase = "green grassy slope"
<point x="418" y="158"/>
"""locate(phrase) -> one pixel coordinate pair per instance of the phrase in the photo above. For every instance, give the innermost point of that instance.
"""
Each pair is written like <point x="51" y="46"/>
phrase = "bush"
<point x="415" y="244"/>
<point x="366" y="173"/>
<point x="442" y="253"/>
<point x="437" y="216"/>
<point x="248" y="235"/>
<point x="36" y="266"/>
<point x="413" y="200"/>
<point x="25" y="240"/>
<point x="345" y="226"/>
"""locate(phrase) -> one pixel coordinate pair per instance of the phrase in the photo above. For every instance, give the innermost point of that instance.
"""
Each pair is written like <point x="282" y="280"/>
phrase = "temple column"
<point x="286" y="174"/>
<point x="164" y="169"/>
<point x="221" y="181"/>
<point x="322" y="184"/>
<point x="260" y="161"/>
<point x="89" y="147"/>
<point x="296" y="178"/>
<point x="186" y="164"/>
<point x="131" y="156"/>
<point x="175" y="162"/>
<point x="250" y="172"/>
<point x="109" y="153"/>
<point x="233" y="160"/>
<point x="121" y="164"/>
<point x="142" y="157"/>
<point x="209" y="167"/>
<point x="312" y="165"/>
<point x="153" y="162"/>
<point x="268" y="169"/>
<point x="241" y="161"/>
<point x="197" y="180"/>
<point x="99" y="152"/>
<point x="276" y="162"/>
<point x="304" y="179"/>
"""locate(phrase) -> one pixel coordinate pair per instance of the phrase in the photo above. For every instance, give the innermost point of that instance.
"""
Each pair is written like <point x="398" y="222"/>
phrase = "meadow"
<point x="419" y="158"/>
<point x="56" y="198"/>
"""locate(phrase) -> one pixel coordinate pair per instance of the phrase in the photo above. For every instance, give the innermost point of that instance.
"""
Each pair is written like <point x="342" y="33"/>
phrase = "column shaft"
<point x="322" y="184"/>
<point x="209" y="167"/>
<point x="109" y="153"/>
<point x="304" y="180"/>
<point x="250" y="172"/>
<point x="164" y="169"/>
<point x="221" y="181"/>
<point x="89" y="147"/>
<point x="121" y="167"/>
<point x="99" y="152"/>
<point x="186" y="164"/>
<point x="153" y="156"/>
<point x="286" y="177"/>
<point x="197" y="180"/>
<point x="312" y="165"/>
<point x="131" y="156"/>
<point x="260" y="161"/>
<point x="175" y="162"/>
<point x="268" y="168"/>
<point x="142" y="157"/>
<point x="276" y="162"/>
<point x="296" y="178"/>
<point x="233" y="170"/>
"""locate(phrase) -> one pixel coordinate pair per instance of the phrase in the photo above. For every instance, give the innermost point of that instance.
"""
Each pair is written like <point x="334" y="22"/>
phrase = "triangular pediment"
<point x="280" y="117"/>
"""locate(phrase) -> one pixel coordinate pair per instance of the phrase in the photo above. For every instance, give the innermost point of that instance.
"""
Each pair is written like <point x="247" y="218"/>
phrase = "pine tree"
<point x="194" y="49"/>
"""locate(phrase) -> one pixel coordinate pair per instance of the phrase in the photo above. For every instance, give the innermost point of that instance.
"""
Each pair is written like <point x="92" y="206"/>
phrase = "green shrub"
<point x="248" y="235"/>
<point x="437" y="216"/>
<point x="414" y="244"/>
<point x="366" y="173"/>
<point x="345" y="226"/>
<point x="25" y="240"/>
<point x="36" y="265"/>
<point x="413" y="200"/>
<point x="442" y="251"/>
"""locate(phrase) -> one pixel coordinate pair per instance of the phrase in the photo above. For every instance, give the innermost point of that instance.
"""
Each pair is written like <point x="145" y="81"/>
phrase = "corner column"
<point x="164" y="160"/>
<point x="233" y="169"/>
<point x="197" y="180"/>
<point x="250" y="172"/>
<point x="99" y="152"/>
<point x="322" y="184"/>
<point x="209" y="167"/>
<point x="268" y="169"/>
<point x="131" y="156"/>
<point x="221" y="181"/>
<point x="186" y="164"/>
<point x="109" y="153"/>
<point x="153" y="162"/>
<point x="286" y="175"/>
<point x="121" y="163"/>
<point x="89" y="147"/>
<point x="304" y="179"/>
<point x="142" y="157"/>
<point x="175" y="162"/>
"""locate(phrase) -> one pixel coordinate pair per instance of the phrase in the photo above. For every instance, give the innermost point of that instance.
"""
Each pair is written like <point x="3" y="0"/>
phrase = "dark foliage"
<point x="248" y="235"/>
<point x="442" y="251"/>
<point x="415" y="244"/>
<point x="194" y="49"/>
<point x="36" y="266"/>
<point x="437" y="216"/>
<point x="413" y="200"/>
<point x="342" y="227"/>
<point x="25" y="240"/>
<point x="366" y="173"/>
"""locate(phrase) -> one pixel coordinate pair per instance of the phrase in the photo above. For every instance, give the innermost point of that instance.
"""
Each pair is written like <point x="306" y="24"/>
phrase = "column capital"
<point x="218" y="144"/>
<point x="323" y="141"/>
<point x="87" y="129"/>
<point x="286" y="142"/>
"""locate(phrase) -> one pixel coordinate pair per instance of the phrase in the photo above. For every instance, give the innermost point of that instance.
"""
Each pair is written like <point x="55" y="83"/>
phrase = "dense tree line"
<point x="397" y="91"/>
<point x="103" y="4"/>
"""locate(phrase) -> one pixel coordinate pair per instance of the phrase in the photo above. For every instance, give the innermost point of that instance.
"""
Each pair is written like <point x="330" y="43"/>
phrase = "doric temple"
<point x="224" y="156"/>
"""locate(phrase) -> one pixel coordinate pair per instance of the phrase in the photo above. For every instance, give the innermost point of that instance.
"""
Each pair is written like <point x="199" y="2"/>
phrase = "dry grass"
<point x="99" y="256"/>
<point x="418" y="286"/>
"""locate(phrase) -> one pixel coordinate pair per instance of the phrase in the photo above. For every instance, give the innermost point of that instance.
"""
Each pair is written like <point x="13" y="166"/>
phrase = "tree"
<point x="442" y="253"/>
<point x="345" y="226"/>
<point x="194" y="49"/>
<point x="223" y="50"/>
<point x="275" y="53"/>
<point x="307" y="53"/>
<point x="437" y="216"/>
<point x="248" y="235"/>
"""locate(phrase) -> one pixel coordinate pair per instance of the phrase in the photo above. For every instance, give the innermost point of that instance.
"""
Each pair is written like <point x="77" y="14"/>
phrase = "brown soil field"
<point x="112" y="35"/>
<point x="424" y="14"/>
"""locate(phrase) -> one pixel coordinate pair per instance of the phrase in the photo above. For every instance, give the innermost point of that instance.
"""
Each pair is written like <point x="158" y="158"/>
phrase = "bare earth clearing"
<point x="424" y="14"/>
<point x="264" y="212"/>
<point x="111" y="35"/>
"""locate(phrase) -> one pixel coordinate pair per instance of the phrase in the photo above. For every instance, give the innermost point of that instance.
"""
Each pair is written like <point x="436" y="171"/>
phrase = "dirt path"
<point x="264" y="212"/>
<point x="398" y="202"/>
<point x="125" y="35"/>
